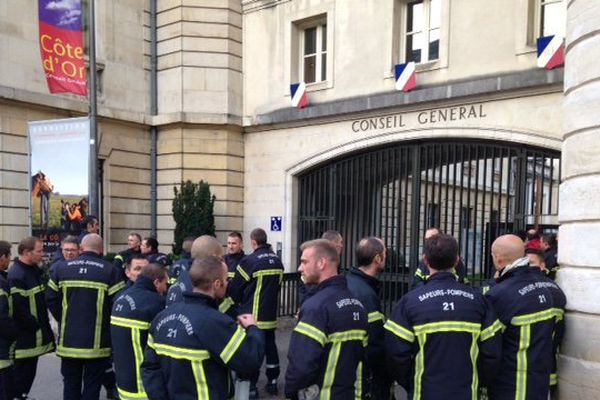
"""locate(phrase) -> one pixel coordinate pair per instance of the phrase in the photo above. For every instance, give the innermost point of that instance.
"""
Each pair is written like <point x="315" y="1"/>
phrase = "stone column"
<point x="579" y="210"/>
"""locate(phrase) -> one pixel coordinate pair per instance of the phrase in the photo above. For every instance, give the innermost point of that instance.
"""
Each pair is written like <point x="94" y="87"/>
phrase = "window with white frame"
<point x="551" y="17"/>
<point x="422" y="30"/>
<point x="313" y="66"/>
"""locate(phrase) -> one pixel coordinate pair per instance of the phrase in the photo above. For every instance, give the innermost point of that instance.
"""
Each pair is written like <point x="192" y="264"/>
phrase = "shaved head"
<point x="92" y="242"/>
<point x="206" y="246"/>
<point x="507" y="249"/>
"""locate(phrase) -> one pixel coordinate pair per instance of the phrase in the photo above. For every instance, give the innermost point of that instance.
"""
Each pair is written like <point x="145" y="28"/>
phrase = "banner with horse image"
<point x="59" y="167"/>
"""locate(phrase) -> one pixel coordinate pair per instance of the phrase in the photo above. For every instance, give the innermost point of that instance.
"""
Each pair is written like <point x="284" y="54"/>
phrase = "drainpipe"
<point x="153" y="112"/>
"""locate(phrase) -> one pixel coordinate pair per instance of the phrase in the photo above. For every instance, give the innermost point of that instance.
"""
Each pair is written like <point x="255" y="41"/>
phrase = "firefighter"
<point x="531" y="306"/>
<point x="79" y="295"/>
<point x="255" y="289"/>
<point x="422" y="272"/>
<point x="192" y="346"/>
<point x="235" y="252"/>
<point x="134" y="241"/>
<point x="149" y="249"/>
<point x="203" y="246"/>
<point x="132" y="312"/>
<point x="29" y="312"/>
<point x="8" y="328"/>
<point x="364" y="284"/>
<point x="185" y="262"/>
<point x="327" y="346"/>
<point x="443" y="339"/>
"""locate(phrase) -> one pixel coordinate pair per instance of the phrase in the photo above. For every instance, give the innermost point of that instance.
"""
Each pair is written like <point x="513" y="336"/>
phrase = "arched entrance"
<point x="474" y="190"/>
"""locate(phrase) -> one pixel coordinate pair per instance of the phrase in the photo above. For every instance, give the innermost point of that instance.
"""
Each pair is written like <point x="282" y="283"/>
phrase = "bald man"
<point x="531" y="307"/>
<point x="79" y="294"/>
<point x="203" y="246"/>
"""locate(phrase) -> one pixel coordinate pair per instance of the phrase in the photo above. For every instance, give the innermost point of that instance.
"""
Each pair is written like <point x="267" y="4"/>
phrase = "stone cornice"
<point x="497" y="85"/>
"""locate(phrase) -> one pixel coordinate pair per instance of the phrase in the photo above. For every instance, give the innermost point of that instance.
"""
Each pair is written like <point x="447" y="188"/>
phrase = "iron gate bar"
<point x="474" y="190"/>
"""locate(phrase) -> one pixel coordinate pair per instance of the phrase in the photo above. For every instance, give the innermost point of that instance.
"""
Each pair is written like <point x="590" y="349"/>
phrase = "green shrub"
<point x="193" y="212"/>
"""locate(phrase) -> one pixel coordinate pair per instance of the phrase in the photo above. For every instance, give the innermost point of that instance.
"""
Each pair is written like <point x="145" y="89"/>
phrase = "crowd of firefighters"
<point x="202" y="327"/>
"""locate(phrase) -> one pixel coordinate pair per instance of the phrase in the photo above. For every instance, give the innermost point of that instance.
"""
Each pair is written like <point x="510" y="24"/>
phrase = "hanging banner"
<point x="61" y="46"/>
<point x="59" y="165"/>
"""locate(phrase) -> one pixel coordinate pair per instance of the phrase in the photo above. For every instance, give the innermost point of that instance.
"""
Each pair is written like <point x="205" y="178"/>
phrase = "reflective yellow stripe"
<point x="256" y="300"/>
<point x="34" y="352"/>
<point x="535" y="317"/>
<point x="172" y="281"/>
<point x="138" y="354"/>
<point x="266" y="324"/>
<point x="125" y="395"/>
<point x="83" y="353"/>
<point x="474" y="354"/>
<point x="83" y="284"/>
<point x="230" y="275"/>
<point x="243" y="273"/>
<point x="419" y="274"/>
<point x="129" y="323"/>
<point x="332" y="361"/>
<point x="178" y="352"/>
<point x="200" y="378"/>
<point x="375" y="316"/>
<point x="3" y="293"/>
<point x="447" y="326"/>
<point x="233" y="345"/>
<point x="99" y="312"/>
<point x="525" y="337"/>
<point x="5" y="363"/>
<point x="52" y="285"/>
<point x="33" y="311"/>
<point x="65" y="309"/>
<point x="29" y="292"/>
<point x="358" y="384"/>
<point x="553" y="379"/>
<point x="419" y="367"/>
<point x="119" y="257"/>
<point x="116" y="287"/>
<point x="312" y="332"/>
<point x="267" y="272"/>
<point x="491" y="330"/>
<point x="226" y="304"/>
<point x="399" y="331"/>
<point x="353" y="334"/>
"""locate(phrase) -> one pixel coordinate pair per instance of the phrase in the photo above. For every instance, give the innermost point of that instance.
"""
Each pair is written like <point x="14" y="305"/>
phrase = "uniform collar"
<point x="144" y="282"/>
<point x="17" y="261"/>
<point x="3" y="273"/>
<point x="518" y="267"/>
<point x="334" y="281"/>
<point x="90" y="254"/>
<point x="372" y="281"/>
<point x="441" y="275"/>
<point x="199" y="298"/>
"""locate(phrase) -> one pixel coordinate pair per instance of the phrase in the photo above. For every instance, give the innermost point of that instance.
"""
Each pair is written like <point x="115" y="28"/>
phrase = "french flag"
<point x="551" y="51"/>
<point x="299" y="97"/>
<point x="406" y="78"/>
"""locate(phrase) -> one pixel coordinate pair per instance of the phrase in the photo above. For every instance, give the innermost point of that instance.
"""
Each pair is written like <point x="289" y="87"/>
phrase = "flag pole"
<point x="93" y="157"/>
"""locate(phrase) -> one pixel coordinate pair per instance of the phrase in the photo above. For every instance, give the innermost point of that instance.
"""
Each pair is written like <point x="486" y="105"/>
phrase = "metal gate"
<point x="473" y="190"/>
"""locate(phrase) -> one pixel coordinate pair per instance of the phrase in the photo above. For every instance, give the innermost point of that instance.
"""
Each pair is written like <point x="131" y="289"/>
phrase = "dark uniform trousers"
<point x="192" y="348"/>
<point x="443" y="340"/>
<point x="255" y="287"/>
<point x="79" y="295"/>
<point x="7" y="383"/>
<point x="531" y="306"/>
<point x="327" y="347"/>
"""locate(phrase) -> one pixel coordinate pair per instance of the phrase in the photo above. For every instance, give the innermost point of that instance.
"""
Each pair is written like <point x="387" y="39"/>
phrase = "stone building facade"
<point x="224" y="114"/>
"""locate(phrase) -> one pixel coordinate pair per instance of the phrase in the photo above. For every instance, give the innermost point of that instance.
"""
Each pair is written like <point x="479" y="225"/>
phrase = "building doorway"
<point x="473" y="190"/>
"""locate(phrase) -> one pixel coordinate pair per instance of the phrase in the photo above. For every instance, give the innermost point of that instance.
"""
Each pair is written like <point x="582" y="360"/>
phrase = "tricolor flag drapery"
<point x="299" y="97"/>
<point x="406" y="78"/>
<point x="551" y="51"/>
<point x="61" y="46"/>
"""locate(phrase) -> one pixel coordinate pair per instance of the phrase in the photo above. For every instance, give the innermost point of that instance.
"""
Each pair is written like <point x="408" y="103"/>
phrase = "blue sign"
<point x="276" y="224"/>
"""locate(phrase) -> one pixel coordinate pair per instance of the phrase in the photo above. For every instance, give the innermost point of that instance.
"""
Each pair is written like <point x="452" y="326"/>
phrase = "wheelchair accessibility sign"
<point x="276" y="224"/>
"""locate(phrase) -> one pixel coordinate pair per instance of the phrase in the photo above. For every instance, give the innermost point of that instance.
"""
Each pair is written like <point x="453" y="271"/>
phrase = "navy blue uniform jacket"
<point x="327" y="347"/>
<point x="442" y="339"/>
<point x="191" y="349"/>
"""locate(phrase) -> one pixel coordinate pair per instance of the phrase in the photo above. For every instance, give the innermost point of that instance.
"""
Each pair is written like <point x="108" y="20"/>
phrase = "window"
<point x="314" y="54"/>
<point x="433" y="215"/>
<point x="422" y="36"/>
<point x="552" y="17"/>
